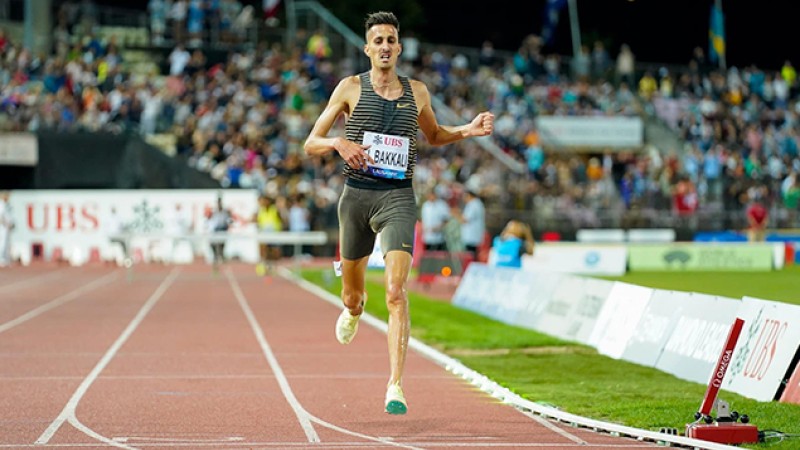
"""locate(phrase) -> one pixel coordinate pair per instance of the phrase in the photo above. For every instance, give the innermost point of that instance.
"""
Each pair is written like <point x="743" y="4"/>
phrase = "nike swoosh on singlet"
<point x="403" y="105"/>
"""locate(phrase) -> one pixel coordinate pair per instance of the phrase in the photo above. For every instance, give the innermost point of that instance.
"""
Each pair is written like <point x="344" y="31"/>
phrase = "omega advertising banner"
<point x="698" y="336"/>
<point x="768" y="342"/>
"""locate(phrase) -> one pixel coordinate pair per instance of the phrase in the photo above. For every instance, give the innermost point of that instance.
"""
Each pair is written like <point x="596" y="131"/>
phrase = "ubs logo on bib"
<point x="393" y="141"/>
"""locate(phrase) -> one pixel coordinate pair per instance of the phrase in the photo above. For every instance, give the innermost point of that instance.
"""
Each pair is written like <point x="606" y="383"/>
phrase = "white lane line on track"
<point x="303" y="416"/>
<point x="58" y="301"/>
<point x="555" y="428"/>
<point x="68" y="413"/>
<point x="179" y="440"/>
<point x="220" y="376"/>
<point x="32" y="280"/>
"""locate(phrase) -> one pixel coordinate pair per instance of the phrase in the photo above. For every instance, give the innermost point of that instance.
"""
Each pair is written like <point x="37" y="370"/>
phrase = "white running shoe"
<point x="395" y="400"/>
<point x="346" y="326"/>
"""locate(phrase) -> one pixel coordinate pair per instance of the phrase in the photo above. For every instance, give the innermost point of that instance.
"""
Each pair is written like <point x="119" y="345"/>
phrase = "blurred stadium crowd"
<point x="243" y="120"/>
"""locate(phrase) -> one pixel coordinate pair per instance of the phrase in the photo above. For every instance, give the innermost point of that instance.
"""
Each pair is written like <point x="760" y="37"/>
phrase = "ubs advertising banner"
<point x="768" y="342"/>
<point x="698" y="336"/>
<point x="656" y="325"/>
<point x="86" y="218"/>
<point x="574" y="307"/>
<point x="701" y="256"/>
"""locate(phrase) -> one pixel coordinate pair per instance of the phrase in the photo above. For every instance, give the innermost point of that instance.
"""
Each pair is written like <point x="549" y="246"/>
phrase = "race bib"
<point x="390" y="154"/>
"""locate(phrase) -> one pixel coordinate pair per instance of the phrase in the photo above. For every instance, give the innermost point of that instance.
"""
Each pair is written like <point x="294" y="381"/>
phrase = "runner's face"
<point x="383" y="46"/>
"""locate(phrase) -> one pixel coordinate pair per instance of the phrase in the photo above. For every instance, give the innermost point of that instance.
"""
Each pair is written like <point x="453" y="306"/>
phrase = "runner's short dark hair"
<point x="381" y="18"/>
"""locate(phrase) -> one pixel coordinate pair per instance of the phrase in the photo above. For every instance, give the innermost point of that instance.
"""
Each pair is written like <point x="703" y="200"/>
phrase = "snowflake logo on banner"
<point x="377" y="140"/>
<point x="146" y="218"/>
<point x="739" y="360"/>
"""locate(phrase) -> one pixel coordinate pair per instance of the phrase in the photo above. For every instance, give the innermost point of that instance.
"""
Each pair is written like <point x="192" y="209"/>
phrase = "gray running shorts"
<point x="363" y="213"/>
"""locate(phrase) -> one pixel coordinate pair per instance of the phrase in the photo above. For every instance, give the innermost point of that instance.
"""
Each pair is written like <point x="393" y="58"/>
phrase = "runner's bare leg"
<point x="354" y="272"/>
<point x="398" y="266"/>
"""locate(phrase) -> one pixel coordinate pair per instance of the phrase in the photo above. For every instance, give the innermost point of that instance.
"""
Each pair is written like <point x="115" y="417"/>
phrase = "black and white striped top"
<point x="378" y="115"/>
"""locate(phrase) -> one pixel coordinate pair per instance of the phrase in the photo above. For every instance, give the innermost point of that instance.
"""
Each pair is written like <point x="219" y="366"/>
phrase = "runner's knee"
<point x="353" y="300"/>
<point x="396" y="294"/>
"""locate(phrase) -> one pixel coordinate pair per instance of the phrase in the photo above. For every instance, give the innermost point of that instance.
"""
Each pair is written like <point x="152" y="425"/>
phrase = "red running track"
<point x="179" y="357"/>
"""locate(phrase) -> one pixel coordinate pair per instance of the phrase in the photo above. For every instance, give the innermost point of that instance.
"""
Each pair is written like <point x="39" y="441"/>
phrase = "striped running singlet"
<point x="376" y="114"/>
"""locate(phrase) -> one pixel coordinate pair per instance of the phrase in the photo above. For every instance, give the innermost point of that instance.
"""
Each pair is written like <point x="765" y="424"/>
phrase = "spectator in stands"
<point x="699" y="63"/>
<point x="177" y="14"/>
<point x="647" y="85"/>
<point x="229" y="11"/>
<point x="269" y="10"/>
<point x="601" y="61"/>
<point x="789" y="74"/>
<point x="158" y="20"/>
<point x="487" y="57"/>
<point x="3" y="40"/>
<point x="757" y="214"/>
<point x="473" y="222"/>
<point x="515" y="240"/>
<point x="68" y="14"/>
<point x="410" y="48"/>
<point x="299" y="218"/>
<point x="791" y="198"/>
<point x="318" y="45"/>
<point x="88" y="11"/>
<point x="116" y="229"/>
<point x="268" y="219"/>
<point x="180" y="226"/>
<point x="195" y="20"/>
<point x="218" y="224"/>
<point x="434" y="216"/>
<point x="178" y="60"/>
<point x="625" y="66"/>
<point x="684" y="197"/>
<point x="244" y="20"/>
<point x="381" y="199"/>
<point x="6" y="226"/>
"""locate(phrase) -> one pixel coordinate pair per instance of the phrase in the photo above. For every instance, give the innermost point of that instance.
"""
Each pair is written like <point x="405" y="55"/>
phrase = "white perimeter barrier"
<point x="677" y="332"/>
